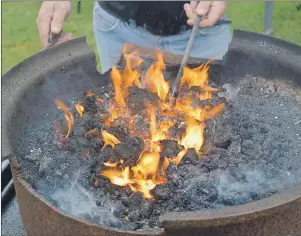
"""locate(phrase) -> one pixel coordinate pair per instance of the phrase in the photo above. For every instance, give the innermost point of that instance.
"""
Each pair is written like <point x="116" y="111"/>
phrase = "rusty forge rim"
<point x="237" y="214"/>
<point x="36" y="194"/>
<point x="224" y="216"/>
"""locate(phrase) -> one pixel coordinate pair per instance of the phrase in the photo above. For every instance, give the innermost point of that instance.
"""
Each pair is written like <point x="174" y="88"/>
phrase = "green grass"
<point x="250" y="16"/>
<point x="20" y="36"/>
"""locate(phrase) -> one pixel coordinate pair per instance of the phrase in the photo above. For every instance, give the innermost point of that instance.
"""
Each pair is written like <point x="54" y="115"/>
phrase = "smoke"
<point x="256" y="185"/>
<point x="77" y="201"/>
<point x="226" y="188"/>
<point x="231" y="92"/>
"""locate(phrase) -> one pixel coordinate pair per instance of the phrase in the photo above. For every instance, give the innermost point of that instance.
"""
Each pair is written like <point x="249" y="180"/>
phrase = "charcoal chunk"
<point x="170" y="148"/>
<point x="138" y="98"/>
<point x="90" y="104"/>
<point x="124" y="151"/>
<point x="79" y="131"/>
<point x="34" y="155"/>
<point x="134" y="215"/>
<point x="129" y="151"/>
<point x="120" y="211"/>
<point x="202" y="191"/>
<point x="146" y="209"/>
<point x="190" y="157"/>
<point x="162" y="192"/>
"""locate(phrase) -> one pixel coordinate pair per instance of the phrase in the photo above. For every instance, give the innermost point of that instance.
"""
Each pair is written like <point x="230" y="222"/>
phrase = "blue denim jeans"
<point x="111" y="34"/>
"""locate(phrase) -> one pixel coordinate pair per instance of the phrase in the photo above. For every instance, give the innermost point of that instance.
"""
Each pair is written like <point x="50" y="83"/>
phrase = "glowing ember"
<point x="99" y="100"/>
<point x="87" y="154"/>
<point x="150" y="169"/>
<point x="90" y="94"/>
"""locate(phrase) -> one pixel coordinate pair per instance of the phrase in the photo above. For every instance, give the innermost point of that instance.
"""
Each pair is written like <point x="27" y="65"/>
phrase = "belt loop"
<point x="132" y="24"/>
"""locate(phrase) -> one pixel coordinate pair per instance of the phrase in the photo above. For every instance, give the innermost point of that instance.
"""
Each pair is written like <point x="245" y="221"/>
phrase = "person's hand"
<point x="51" y="19"/>
<point x="209" y="11"/>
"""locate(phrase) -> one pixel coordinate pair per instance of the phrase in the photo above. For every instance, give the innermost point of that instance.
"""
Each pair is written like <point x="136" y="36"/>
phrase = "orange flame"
<point x="207" y="93"/>
<point x="90" y="94"/>
<point x="208" y="114"/>
<point x="185" y="107"/>
<point x="143" y="177"/>
<point x="61" y="105"/>
<point x="109" y="139"/>
<point x="91" y="132"/>
<point x="144" y="186"/>
<point x="145" y="173"/>
<point x="197" y="113"/>
<point x="154" y="78"/>
<point x="157" y="134"/>
<point x="122" y="81"/>
<point x="99" y="100"/>
<point x="194" y="135"/>
<point x="80" y="109"/>
<point x="113" y="164"/>
<point x="178" y="158"/>
<point x="114" y="115"/>
<point x="87" y="154"/>
<point x="131" y="76"/>
<point x="117" y="82"/>
<point x="166" y="109"/>
<point x="197" y="76"/>
<point x="164" y="167"/>
<point x="147" y="164"/>
<point x="118" y="177"/>
<point x="150" y="169"/>
<point x="68" y="115"/>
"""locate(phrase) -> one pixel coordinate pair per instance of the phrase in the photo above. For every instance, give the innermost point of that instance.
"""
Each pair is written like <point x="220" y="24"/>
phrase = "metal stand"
<point x="268" y="18"/>
<point x="79" y="3"/>
<point x="7" y="184"/>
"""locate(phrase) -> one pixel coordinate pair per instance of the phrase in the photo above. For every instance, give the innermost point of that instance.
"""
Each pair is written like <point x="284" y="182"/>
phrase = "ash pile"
<point x="121" y="155"/>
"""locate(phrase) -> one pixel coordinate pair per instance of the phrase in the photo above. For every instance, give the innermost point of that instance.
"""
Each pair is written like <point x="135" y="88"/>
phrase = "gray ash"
<point x="251" y="151"/>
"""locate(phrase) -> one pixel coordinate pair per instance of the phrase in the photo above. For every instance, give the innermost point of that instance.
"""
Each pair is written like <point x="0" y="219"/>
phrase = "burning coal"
<point x="191" y="111"/>
<point x="132" y="151"/>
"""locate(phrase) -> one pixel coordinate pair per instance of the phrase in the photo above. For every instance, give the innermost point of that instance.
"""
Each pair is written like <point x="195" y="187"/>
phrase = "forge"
<point x="107" y="154"/>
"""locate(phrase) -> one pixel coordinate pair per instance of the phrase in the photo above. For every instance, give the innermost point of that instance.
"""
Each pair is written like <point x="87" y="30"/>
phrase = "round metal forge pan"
<point x="250" y="53"/>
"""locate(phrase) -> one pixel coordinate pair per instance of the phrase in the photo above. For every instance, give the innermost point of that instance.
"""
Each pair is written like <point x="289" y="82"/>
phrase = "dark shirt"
<point x="162" y="18"/>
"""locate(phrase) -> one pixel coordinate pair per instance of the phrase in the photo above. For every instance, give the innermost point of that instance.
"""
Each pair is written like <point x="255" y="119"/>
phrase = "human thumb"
<point x="203" y="8"/>
<point x="60" y="13"/>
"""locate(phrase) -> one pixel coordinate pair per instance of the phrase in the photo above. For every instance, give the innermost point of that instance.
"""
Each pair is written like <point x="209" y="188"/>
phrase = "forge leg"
<point x="268" y="18"/>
